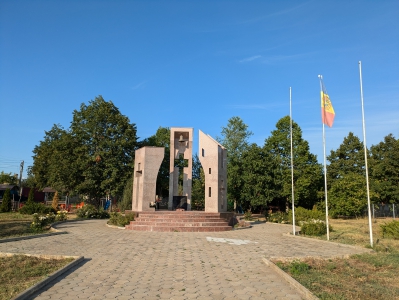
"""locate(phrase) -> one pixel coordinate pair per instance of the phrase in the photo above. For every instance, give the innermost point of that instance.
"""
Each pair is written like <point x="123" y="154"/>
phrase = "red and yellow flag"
<point x="327" y="110"/>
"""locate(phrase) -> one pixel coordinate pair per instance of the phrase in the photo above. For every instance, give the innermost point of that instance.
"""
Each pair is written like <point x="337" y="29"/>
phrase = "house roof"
<point x="3" y="187"/>
<point x="48" y="190"/>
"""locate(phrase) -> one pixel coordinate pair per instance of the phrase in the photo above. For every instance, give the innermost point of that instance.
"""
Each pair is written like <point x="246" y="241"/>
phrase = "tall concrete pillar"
<point x="146" y="167"/>
<point x="181" y="162"/>
<point x="213" y="158"/>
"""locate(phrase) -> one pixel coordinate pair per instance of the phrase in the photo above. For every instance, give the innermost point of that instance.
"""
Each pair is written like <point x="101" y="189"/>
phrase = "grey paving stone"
<point x="123" y="264"/>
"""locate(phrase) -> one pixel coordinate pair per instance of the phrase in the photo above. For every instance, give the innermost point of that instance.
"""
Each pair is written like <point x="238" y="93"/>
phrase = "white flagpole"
<point x="292" y="170"/>
<point x="325" y="167"/>
<point x="365" y="155"/>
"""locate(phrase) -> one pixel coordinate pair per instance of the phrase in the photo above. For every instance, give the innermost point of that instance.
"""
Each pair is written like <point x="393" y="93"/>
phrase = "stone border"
<point x="115" y="226"/>
<point x="33" y="289"/>
<point x="34" y="236"/>
<point x="330" y="242"/>
<point x="304" y="291"/>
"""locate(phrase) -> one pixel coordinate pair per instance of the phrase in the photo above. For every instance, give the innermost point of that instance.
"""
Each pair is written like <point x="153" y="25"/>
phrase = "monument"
<point x="146" y="167"/>
<point x="181" y="168"/>
<point x="213" y="158"/>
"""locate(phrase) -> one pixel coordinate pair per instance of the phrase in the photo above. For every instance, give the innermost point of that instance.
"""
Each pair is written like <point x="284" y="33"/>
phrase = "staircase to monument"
<point x="181" y="221"/>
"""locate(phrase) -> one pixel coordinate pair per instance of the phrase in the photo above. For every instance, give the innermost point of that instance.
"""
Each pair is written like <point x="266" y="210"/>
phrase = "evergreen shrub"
<point x="120" y="220"/>
<point x="91" y="212"/>
<point x="32" y="207"/>
<point x="304" y="215"/>
<point x="390" y="230"/>
<point x="314" y="228"/>
<point x="6" y="204"/>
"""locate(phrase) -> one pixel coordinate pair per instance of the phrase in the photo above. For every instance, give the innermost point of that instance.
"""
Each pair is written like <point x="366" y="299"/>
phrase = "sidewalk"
<point x="124" y="264"/>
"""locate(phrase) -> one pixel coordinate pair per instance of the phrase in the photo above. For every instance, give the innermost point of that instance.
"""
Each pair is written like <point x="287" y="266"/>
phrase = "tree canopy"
<point x="235" y="139"/>
<point x="384" y="165"/>
<point x="307" y="171"/>
<point x="93" y="157"/>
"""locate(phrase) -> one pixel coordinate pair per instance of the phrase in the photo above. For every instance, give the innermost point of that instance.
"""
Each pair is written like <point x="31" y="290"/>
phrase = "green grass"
<point x="14" y="224"/>
<point x="365" y="276"/>
<point x="20" y="272"/>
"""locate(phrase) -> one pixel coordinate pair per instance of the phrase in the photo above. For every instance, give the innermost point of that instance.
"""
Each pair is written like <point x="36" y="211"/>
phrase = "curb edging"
<point x="27" y="237"/>
<point x="33" y="289"/>
<point x="303" y="290"/>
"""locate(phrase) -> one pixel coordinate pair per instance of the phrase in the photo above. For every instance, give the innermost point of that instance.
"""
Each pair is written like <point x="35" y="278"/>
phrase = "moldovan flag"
<point x="327" y="110"/>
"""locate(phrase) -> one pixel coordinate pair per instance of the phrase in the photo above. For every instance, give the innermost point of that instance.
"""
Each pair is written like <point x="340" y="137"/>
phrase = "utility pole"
<point x="21" y="169"/>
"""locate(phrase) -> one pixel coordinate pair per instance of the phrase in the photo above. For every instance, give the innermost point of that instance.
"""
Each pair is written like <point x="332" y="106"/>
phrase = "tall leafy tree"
<point x="258" y="177"/>
<point x="348" y="158"/>
<point x="235" y="139"/>
<point x="384" y="166"/>
<point x="8" y="178"/>
<point x="198" y="186"/>
<point x="93" y="157"/>
<point x="348" y="195"/>
<point x="346" y="178"/>
<point x="307" y="171"/>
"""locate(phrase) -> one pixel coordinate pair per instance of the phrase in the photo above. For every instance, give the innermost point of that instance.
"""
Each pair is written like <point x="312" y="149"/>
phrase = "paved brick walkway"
<point x="124" y="264"/>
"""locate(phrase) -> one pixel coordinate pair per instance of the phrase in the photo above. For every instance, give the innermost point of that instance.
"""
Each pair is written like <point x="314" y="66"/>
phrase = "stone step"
<point x="182" y="221"/>
<point x="187" y="219"/>
<point x="178" y="228"/>
<point x="180" y="224"/>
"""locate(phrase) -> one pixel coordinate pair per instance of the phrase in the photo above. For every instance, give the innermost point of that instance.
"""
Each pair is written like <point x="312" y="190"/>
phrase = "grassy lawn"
<point x="20" y="272"/>
<point x="14" y="224"/>
<point x="366" y="276"/>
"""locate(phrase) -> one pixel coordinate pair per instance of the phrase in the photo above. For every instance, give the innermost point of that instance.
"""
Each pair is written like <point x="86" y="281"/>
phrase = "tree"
<point x="31" y="196"/>
<point x="307" y="171"/>
<point x="7" y="178"/>
<point x="348" y="195"/>
<point x="348" y="158"/>
<point x="6" y="204"/>
<point x="93" y="157"/>
<point x="258" y="177"/>
<point x="384" y="165"/>
<point x="235" y="139"/>
<point x="55" y="201"/>
<point x="198" y="186"/>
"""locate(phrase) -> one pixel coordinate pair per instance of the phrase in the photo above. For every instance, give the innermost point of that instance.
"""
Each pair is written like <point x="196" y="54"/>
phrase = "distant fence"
<point x="384" y="211"/>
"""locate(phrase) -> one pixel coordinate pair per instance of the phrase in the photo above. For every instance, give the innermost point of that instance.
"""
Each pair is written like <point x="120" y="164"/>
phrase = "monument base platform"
<point x="182" y="221"/>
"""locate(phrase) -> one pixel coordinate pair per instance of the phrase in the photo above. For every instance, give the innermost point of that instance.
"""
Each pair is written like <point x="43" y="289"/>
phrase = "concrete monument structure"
<point x="146" y="167"/>
<point x="181" y="163"/>
<point x="213" y="158"/>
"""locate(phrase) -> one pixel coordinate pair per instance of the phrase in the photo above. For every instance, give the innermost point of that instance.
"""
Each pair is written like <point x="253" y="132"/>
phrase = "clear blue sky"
<point x="197" y="64"/>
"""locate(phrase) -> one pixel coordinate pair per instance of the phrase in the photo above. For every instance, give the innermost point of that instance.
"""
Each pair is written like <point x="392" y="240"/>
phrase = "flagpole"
<point x="292" y="169"/>
<point x="325" y="167"/>
<point x="365" y="155"/>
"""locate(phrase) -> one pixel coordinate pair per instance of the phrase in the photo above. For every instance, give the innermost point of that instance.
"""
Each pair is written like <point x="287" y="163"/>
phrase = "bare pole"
<point x="292" y="169"/>
<point x="325" y="163"/>
<point x="21" y="169"/>
<point x="365" y="155"/>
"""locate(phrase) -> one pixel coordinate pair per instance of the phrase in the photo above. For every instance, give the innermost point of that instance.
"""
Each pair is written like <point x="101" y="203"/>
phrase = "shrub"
<point x="247" y="215"/>
<point x="54" y="204"/>
<point x="304" y="215"/>
<point x="278" y="217"/>
<point x="32" y="207"/>
<point x="120" y="220"/>
<point x="41" y="222"/>
<point x="61" y="216"/>
<point x="91" y="212"/>
<point x="6" y="204"/>
<point x="314" y="227"/>
<point x="390" y="230"/>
